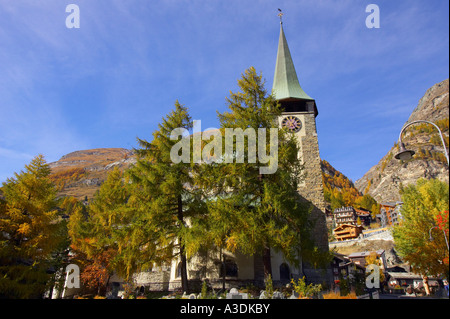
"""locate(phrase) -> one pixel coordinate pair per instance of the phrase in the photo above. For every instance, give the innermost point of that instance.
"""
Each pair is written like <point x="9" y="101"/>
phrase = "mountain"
<point x="384" y="180"/>
<point x="80" y="174"/>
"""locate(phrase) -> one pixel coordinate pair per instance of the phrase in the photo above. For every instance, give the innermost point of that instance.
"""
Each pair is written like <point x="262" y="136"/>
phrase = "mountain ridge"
<point x="80" y="173"/>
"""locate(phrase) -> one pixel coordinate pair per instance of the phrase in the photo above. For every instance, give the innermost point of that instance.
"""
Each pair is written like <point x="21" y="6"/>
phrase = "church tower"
<point x="299" y="116"/>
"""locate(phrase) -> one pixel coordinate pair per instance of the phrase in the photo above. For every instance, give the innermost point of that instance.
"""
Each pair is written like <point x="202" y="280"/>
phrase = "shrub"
<point x="269" y="287"/>
<point x="305" y="291"/>
<point x="204" y="292"/>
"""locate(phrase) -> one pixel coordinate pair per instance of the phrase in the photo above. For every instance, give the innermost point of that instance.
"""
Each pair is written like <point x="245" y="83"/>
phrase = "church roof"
<point x="285" y="82"/>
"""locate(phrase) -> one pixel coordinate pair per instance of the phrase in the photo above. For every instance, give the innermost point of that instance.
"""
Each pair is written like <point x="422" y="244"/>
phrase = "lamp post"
<point x="445" y="236"/>
<point x="404" y="154"/>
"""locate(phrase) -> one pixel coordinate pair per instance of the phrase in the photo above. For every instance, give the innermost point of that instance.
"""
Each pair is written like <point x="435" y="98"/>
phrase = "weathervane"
<point x="280" y="15"/>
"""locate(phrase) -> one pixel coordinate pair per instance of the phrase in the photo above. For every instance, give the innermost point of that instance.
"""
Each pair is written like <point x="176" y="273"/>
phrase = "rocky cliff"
<point x="384" y="180"/>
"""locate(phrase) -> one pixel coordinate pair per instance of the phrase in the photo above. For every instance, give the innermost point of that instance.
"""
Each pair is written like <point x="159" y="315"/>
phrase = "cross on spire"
<point x="280" y="15"/>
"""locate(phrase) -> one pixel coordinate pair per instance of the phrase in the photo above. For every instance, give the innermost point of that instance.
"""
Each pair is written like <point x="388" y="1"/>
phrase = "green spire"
<point x="285" y="81"/>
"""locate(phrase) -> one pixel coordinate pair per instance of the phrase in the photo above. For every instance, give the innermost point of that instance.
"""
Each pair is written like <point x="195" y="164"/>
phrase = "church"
<point x="299" y="117"/>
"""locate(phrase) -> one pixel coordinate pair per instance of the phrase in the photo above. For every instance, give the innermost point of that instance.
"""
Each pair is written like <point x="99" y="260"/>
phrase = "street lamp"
<point x="404" y="154"/>
<point x="445" y="236"/>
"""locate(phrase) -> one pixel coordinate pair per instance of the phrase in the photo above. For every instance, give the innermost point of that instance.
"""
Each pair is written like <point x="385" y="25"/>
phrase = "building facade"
<point x="345" y="215"/>
<point x="390" y="213"/>
<point x="344" y="268"/>
<point x="360" y="258"/>
<point x="351" y="215"/>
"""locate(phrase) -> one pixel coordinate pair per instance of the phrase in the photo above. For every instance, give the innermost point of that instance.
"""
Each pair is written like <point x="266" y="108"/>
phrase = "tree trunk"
<point x="224" y="270"/>
<point x="184" y="279"/>
<point x="267" y="262"/>
<point x="426" y="286"/>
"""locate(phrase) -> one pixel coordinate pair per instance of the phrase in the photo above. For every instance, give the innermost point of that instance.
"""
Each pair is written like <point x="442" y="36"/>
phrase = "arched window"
<point x="178" y="270"/>
<point x="231" y="268"/>
<point x="285" y="272"/>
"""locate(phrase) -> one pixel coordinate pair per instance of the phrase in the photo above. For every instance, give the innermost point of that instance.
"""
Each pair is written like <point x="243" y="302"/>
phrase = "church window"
<point x="231" y="268"/>
<point x="285" y="272"/>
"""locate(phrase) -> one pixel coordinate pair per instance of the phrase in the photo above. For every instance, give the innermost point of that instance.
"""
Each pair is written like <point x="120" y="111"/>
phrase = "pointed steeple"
<point x="285" y="81"/>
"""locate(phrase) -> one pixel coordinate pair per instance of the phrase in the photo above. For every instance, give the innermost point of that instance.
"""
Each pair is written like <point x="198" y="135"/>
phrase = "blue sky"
<point x="114" y="78"/>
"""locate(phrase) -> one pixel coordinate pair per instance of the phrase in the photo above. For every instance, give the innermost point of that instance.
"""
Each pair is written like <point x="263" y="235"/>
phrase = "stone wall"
<point x="156" y="280"/>
<point x="311" y="189"/>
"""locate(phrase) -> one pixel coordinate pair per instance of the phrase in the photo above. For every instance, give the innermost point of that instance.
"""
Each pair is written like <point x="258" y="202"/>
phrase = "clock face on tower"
<point x="292" y="123"/>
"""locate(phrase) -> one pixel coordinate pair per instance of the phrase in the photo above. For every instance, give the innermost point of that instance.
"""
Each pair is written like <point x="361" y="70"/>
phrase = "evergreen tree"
<point x="249" y="211"/>
<point x="165" y="193"/>
<point x="30" y="231"/>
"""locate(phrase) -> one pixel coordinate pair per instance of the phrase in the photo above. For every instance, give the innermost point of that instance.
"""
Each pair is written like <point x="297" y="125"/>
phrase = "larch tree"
<point x="250" y="211"/>
<point x="164" y="192"/>
<point x="30" y="231"/>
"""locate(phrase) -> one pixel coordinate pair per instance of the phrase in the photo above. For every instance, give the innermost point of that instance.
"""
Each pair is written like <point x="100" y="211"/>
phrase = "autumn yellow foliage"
<point x="334" y="295"/>
<point x="69" y="175"/>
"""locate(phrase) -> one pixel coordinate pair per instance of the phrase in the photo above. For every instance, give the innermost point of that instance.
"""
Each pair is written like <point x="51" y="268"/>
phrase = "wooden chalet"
<point x="364" y="215"/>
<point x="347" y="231"/>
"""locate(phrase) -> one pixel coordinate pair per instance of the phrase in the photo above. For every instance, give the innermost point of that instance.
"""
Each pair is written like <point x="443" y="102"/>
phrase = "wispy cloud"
<point x="13" y="155"/>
